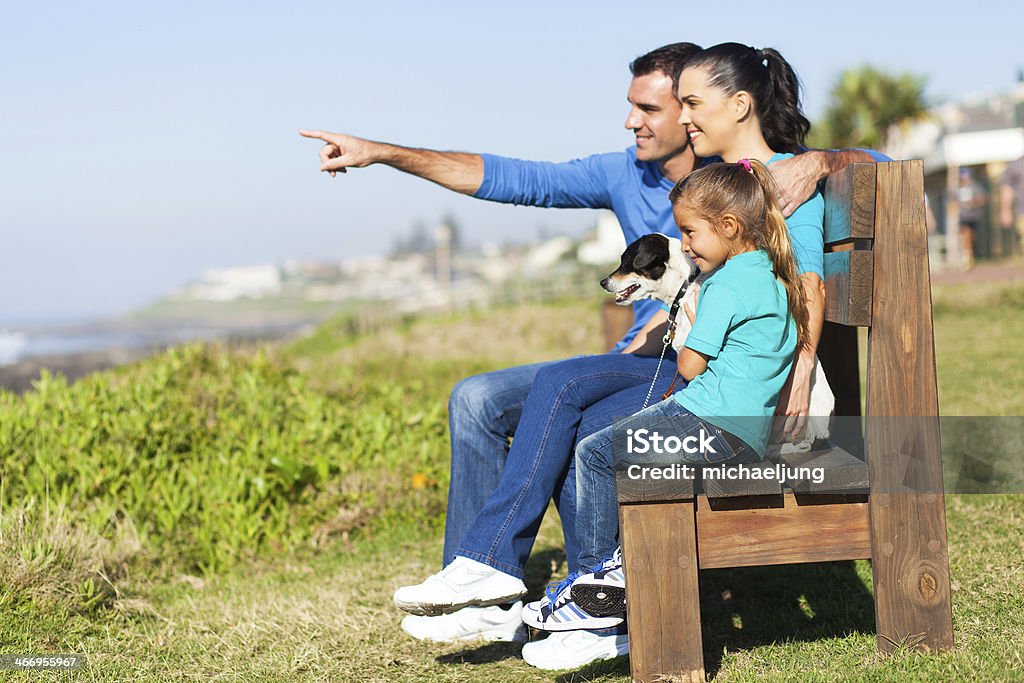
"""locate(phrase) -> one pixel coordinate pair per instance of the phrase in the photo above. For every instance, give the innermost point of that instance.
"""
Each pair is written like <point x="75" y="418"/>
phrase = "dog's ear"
<point x="652" y="252"/>
<point x="643" y="259"/>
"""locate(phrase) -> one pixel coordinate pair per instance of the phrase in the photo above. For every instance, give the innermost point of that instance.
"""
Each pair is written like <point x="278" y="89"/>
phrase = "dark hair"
<point x="746" y="190"/>
<point x="771" y="82"/>
<point x="668" y="59"/>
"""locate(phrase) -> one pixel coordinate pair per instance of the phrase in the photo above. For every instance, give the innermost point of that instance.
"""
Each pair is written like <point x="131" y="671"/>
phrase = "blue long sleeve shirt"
<point x="634" y="190"/>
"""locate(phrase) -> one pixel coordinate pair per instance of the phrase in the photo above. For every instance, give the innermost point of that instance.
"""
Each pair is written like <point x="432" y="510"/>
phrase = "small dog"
<point x="655" y="267"/>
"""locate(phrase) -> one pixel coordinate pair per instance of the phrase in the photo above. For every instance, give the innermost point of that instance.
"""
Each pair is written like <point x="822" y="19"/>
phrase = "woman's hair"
<point x="746" y="190"/>
<point x="771" y="82"/>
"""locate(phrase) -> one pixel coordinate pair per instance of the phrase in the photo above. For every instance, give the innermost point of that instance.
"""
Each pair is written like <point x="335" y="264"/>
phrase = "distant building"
<point x="980" y="134"/>
<point x="607" y="245"/>
<point x="231" y="284"/>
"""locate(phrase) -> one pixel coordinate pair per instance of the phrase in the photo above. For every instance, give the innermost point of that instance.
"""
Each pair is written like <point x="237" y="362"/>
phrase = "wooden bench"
<point x="876" y="276"/>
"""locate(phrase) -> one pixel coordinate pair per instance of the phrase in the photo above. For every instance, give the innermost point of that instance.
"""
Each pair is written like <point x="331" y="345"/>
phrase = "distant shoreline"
<point x="17" y="377"/>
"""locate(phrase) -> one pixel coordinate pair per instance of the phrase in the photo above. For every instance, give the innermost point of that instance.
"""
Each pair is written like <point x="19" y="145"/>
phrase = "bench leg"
<point x="659" y="550"/>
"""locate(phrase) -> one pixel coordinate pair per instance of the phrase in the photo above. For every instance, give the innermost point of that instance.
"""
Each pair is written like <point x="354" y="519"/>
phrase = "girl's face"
<point x="709" y="117"/>
<point x="700" y="240"/>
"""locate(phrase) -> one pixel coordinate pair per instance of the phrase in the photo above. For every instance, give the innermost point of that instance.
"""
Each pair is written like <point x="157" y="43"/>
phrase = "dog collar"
<point x="673" y="310"/>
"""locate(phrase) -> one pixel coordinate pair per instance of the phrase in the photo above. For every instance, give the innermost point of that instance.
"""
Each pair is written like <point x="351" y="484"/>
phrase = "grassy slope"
<point x="327" y="615"/>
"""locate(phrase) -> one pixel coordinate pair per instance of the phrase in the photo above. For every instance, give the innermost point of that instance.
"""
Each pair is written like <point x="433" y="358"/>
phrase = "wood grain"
<point x="848" y="288"/>
<point x="842" y="471"/>
<point x="659" y="553"/>
<point x="792" y="533"/>
<point x="850" y="204"/>
<point x="907" y="514"/>
<point x="632" y="490"/>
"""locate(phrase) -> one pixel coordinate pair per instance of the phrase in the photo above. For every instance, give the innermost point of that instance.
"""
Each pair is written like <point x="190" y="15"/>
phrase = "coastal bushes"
<point x="212" y="455"/>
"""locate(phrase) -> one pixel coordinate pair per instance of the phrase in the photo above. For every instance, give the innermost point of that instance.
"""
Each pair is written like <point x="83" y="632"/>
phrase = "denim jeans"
<point x="499" y="493"/>
<point x="601" y="455"/>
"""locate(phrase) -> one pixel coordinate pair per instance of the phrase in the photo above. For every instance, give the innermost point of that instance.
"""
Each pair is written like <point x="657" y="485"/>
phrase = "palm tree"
<point x="865" y="102"/>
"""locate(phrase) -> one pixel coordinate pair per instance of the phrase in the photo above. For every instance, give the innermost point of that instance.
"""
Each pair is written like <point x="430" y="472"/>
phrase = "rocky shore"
<point x="19" y="376"/>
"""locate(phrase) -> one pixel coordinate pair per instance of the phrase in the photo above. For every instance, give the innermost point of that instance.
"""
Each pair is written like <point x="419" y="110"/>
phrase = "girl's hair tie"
<point x="745" y="163"/>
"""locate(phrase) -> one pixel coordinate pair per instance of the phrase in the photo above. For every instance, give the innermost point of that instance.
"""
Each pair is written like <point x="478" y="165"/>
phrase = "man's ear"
<point x="743" y="105"/>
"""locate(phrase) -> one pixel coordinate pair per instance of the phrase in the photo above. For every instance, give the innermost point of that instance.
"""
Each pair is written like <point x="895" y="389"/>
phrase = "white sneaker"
<point x="462" y="583"/>
<point x="573" y="649"/>
<point x="493" y="623"/>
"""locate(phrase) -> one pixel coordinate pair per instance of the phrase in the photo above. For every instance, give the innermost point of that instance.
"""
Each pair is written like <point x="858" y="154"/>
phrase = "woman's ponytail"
<point x="786" y="128"/>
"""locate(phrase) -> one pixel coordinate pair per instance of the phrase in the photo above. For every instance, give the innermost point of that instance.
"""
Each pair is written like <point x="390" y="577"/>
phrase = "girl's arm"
<point x="691" y="363"/>
<point x="795" y="397"/>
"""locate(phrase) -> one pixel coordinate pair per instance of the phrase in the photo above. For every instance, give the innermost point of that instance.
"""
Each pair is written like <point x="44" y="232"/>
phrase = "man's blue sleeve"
<point x="877" y="156"/>
<point x="581" y="183"/>
<point x="807" y="233"/>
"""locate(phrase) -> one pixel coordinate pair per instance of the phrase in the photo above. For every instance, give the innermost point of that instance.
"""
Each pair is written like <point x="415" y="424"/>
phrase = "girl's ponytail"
<point x="774" y="239"/>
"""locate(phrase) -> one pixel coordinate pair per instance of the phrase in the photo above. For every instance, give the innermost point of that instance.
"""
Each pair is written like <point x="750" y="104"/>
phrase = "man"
<point x="484" y="410"/>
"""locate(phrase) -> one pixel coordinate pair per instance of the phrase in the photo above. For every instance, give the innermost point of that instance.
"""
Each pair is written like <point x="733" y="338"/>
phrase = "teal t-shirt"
<point x="806" y="230"/>
<point x="742" y="323"/>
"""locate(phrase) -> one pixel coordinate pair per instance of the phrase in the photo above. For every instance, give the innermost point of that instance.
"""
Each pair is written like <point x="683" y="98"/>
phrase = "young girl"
<point x="749" y="321"/>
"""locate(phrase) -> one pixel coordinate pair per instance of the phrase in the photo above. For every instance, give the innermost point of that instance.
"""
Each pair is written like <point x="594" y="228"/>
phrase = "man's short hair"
<point x="668" y="59"/>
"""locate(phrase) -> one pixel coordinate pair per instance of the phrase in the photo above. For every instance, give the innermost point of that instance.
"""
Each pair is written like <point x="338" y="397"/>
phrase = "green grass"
<point x="323" y="612"/>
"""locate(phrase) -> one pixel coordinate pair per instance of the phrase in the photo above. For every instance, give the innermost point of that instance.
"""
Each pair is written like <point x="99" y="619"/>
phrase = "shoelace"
<point x="611" y="563"/>
<point x="559" y="586"/>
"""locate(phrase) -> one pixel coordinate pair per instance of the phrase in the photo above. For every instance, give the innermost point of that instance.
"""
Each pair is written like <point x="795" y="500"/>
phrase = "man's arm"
<point x="580" y="183"/>
<point x="459" y="171"/>
<point x="648" y="341"/>
<point x="799" y="176"/>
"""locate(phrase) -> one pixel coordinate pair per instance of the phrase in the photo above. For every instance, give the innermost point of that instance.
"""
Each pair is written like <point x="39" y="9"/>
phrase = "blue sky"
<point x="144" y="142"/>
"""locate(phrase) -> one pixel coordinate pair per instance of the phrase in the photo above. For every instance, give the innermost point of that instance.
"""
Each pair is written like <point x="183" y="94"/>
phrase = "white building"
<point x="607" y="245"/>
<point x="231" y="284"/>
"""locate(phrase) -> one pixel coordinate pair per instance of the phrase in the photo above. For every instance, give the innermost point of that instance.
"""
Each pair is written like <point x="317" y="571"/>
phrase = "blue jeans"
<point x="601" y="455"/>
<point x="499" y="492"/>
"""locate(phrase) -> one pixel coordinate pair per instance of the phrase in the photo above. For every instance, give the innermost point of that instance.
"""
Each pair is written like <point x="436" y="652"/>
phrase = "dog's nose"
<point x="604" y="282"/>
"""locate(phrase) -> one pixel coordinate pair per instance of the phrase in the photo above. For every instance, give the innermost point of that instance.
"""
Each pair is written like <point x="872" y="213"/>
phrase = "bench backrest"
<point x="877" y="276"/>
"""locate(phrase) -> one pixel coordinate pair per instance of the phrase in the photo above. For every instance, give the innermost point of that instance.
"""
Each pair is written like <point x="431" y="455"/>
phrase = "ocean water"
<point x="12" y="346"/>
<point x="17" y="345"/>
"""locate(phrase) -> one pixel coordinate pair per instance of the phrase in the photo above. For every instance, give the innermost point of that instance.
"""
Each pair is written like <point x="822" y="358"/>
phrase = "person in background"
<point x="1011" y="204"/>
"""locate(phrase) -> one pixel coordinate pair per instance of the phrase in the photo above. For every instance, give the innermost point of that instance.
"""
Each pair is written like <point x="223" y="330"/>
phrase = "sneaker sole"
<point x="495" y="636"/>
<point x="601" y="601"/>
<point x="595" y="622"/>
<point x="423" y="609"/>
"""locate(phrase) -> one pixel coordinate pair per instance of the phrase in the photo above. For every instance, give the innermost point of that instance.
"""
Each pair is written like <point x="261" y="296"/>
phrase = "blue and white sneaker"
<point x="557" y="611"/>
<point x="602" y="592"/>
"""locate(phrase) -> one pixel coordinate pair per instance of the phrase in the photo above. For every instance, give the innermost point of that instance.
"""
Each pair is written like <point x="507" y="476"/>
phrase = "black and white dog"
<point x="655" y="267"/>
